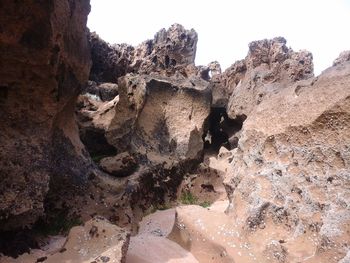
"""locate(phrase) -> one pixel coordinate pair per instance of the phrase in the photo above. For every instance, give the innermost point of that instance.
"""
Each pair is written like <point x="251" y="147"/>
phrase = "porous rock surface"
<point x="287" y="181"/>
<point x="109" y="62"/>
<point x="144" y="117"/>
<point x="45" y="60"/>
<point x="170" y="51"/>
<point x="290" y="172"/>
<point x="161" y="108"/>
<point x="269" y="67"/>
<point x="155" y="115"/>
<point x="161" y="118"/>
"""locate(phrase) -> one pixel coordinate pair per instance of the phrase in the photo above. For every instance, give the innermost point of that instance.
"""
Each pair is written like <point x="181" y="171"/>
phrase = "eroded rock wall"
<point x="170" y="52"/>
<point x="289" y="177"/>
<point x="269" y="66"/>
<point x="160" y="118"/>
<point x="45" y="61"/>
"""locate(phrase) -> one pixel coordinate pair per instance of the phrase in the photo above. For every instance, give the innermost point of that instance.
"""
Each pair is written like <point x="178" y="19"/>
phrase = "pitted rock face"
<point x="44" y="63"/>
<point x="109" y="62"/>
<point x="269" y="66"/>
<point x="289" y="173"/>
<point x="343" y="57"/>
<point x="170" y="50"/>
<point x="159" y="117"/>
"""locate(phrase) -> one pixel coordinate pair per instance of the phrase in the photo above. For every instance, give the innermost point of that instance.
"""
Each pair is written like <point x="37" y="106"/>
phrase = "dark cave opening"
<point x="222" y="131"/>
<point x="16" y="242"/>
<point x="96" y="144"/>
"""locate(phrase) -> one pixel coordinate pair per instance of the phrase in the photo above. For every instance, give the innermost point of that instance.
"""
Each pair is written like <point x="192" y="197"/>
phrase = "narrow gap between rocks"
<point x="222" y="131"/>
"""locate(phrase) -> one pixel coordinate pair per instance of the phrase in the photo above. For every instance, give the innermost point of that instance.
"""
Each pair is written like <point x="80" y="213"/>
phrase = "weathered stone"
<point x="109" y="62"/>
<point x="103" y="91"/>
<point x="287" y="182"/>
<point x="45" y="61"/>
<point x="343" y="57"/>
<point x="96" y="241"/>
<point x="290" y="170"/>
<point x="94" y="117"/>
<point x="170" y="51"/>
<point x="160" y="118"/>
<point x="269" y="67"/>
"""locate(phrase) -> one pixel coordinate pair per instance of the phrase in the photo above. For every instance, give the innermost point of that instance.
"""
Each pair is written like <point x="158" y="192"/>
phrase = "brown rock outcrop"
<point x="289" y="179"/>
<point x="45" y="61"/>
<point x="269" y="67"/>
<point x="170" y="51"/>
<point x="160" y="118"/>
<point x="109" y="62"/>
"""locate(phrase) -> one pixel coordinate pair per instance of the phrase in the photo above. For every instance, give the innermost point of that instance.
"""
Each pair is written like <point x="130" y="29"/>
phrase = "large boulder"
<point x="160" y="118"/>
<point x="45" y="61"/>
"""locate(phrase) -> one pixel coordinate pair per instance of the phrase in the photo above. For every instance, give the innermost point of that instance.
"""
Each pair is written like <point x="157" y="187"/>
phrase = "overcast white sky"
<point x="225" y="27"/>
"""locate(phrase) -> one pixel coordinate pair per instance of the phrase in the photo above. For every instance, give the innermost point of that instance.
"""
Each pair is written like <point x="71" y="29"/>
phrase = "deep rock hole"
<point x="222" y="131"/>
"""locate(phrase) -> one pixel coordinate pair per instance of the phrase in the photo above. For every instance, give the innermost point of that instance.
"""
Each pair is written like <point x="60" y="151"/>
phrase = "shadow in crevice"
<point x="221" y="130"/>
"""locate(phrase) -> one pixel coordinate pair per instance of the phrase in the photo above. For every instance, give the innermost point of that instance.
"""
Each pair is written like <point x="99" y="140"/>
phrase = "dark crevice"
<point x="96" y="144"/>
<point x="167" y="61"/>
<point x="3" y="94"/>
<point x="221" y="130"/>
<point x="16" y="242"/>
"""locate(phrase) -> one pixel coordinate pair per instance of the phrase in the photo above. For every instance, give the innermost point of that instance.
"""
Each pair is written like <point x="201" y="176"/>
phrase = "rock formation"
<point x="287" y="181"/>
<point x="107" y="140"/>
<point x="45" y="61"/>
<point x="109" y="61"/>
<point x="290" y="168"/>
<point x="151" y="131"/>
<point x="171" y="51"/>
<point x="151" y="115"/>
<point x="269" y="67"/>
<point x="153" y="106"/>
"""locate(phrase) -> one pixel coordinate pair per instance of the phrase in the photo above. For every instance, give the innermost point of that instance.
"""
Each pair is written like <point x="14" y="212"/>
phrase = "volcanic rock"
<point x="104" y="91"/>
<point x="286" y="181"/>
<point x="109" y="62"/>
<point x="269" y="67"/>
<point x="289" y="172"/>
<point x="342" y="58"/>
<point x="170" y="51"/>
<point x="45" y="60"/>
<point x="160" y="118"/>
